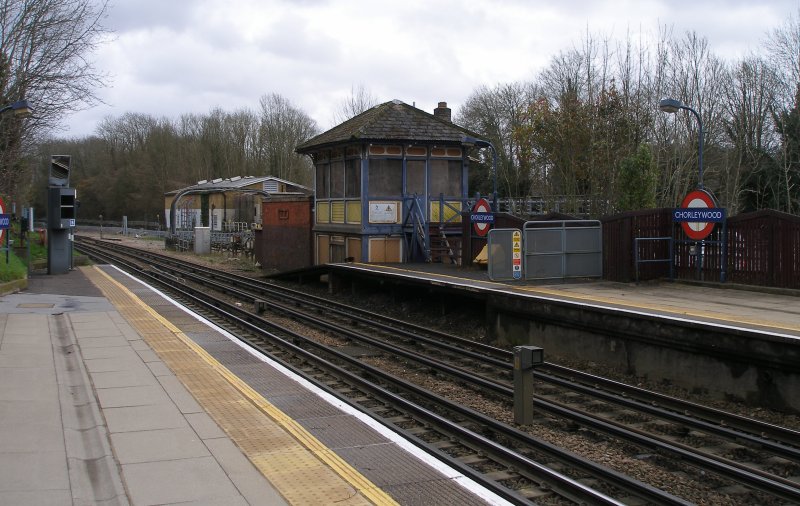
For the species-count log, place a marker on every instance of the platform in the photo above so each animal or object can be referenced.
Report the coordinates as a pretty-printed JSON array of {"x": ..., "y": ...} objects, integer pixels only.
[
  {"x": 750, "y": 308},
  {"x": 111, "y": 394}
]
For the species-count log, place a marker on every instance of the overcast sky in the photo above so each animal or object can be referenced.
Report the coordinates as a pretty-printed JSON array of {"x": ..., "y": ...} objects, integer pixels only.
[{"x": 169, "y": 57}]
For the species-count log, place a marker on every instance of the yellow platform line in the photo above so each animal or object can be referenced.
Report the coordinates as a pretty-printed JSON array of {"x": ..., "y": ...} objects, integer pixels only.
[
  {"x": 728, "y": 318},
  {"x": 300, "y": 466}
]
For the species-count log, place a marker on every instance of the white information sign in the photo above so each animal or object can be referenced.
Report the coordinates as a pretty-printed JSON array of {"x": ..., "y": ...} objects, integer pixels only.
[{"x": 383, "y": 211}]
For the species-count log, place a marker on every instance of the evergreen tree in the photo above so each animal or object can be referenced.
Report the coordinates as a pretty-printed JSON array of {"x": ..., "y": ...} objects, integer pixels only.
[
  {"x": 785, "y": 183},
  {"x": 637, "y": 181}
]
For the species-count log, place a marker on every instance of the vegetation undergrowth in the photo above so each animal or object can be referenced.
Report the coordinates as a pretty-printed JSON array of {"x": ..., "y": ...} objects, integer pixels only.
[{"x": 14, "y": 269}]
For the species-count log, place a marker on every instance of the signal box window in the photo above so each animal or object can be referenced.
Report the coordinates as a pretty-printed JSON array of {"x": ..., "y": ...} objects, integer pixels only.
[
  {"x": 385, "y": 177},
  {"x": 322, "y": 181},
  {"x": 352, "y": 178},
  {"x": 337, "y": 180},
  {"x": 445, "y": 177}
]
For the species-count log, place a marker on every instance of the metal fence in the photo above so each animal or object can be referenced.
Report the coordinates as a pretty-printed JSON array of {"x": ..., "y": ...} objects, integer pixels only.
[
  {"x": 546, "y": 250},
  {"x": 562, "y": 249},
  {"x": 760, "y": 248}
]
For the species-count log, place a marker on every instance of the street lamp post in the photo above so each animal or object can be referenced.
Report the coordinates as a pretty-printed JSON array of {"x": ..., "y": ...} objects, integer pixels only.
[
  {"x": 672, "y": 106},
  {"x": 486, "y": 144},
  {"x": 22, "y": 109}
]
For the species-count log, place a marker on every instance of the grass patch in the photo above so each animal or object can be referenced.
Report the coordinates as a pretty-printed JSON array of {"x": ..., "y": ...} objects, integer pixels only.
[{"x": 13, "y": 270}]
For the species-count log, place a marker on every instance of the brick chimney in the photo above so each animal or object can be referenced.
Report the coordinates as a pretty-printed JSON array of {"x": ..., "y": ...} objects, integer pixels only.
[{"x": 443, "y": 112}]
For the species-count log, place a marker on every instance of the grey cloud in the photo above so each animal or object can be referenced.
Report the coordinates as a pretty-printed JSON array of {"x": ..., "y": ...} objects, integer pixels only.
[{"x": 131, "y": 15}]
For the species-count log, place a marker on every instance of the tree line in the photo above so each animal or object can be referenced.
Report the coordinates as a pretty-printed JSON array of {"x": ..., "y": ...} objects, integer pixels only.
[
  {"x": 44, "y": 59},
  {"x": 133, "y": 160},
  {"x": 586, "y": 128}
]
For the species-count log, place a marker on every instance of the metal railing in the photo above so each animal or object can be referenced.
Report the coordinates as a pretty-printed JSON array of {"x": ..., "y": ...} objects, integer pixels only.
[{"x": 637, "y": 254}]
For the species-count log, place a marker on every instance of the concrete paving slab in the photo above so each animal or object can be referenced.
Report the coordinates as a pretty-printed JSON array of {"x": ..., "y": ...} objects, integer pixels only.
[
  {"x": 25, "y": 354},
  {"x": 26, "y": 324},
  {"x": 159, "y": 369},
  {"x": 27, "y": 384},
  {"x": 205, "y": 426},
  {"x": 188, "y": 480},
  {"x": 89, "y": 342},
  {"x": 45, "y": 412},
  {"x": 108, "y": 352},
  {"x": 115, "y": 364},
  {"x": 114, "y": 379},
  {"x": 143, "y": 395},
  {"x": 104, "y": 331},
  {"x": 81, "y": 326},
  {"x": 148, "y": 355},
  {"x": 36, "y": 497},
  {"x": 247, "y": 478},
  {"x": 138, "y": 344},
  {"x": 136, "y": 418},
  {"x": 158, "y": 445},
  {"x": 89, "y": 318},
  {"x": 185, "y": 402},
  {"x": 129, "y": 333},
  {"x": 35, "y": 470},
  {"x": 29, "y": 424},
  {"x": 41, "y": 338}
]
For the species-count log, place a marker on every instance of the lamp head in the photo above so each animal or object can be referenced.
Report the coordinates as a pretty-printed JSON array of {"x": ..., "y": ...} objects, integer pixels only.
[
  {"x": 472, "y": 141},
  {"x": 670, "y": 105}
]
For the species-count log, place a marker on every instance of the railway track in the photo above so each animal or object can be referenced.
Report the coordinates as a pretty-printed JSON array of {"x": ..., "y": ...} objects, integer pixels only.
[{"x": 667, "y": 428}]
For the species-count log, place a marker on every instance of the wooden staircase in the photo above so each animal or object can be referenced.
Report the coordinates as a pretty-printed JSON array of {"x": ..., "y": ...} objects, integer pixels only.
[{"x": 445, "y": 245}]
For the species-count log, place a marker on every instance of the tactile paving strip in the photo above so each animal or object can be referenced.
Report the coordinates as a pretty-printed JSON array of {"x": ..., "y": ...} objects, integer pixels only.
[{"x": 303, "y": 469}]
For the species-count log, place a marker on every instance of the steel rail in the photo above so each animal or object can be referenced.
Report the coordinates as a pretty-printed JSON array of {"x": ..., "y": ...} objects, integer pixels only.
[
  {"x": 776, "y": 439},
  {"x": 518, "y": 461}
]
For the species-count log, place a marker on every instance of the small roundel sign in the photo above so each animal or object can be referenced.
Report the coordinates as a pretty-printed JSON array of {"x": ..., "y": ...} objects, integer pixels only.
[
  {"x": 481, "y": 217},
  {"x": 698, "y": 199}
]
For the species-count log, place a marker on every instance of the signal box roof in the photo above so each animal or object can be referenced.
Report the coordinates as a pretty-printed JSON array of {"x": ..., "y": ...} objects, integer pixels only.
[{"x": 392, "y": 121}]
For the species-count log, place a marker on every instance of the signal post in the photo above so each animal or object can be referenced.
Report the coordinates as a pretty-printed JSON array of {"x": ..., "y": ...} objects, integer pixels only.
[{"x": 60, "y": 216}]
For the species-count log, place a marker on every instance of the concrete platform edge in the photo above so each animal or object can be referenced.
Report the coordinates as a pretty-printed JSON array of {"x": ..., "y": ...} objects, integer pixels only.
[{"x": 94, "y": 474}]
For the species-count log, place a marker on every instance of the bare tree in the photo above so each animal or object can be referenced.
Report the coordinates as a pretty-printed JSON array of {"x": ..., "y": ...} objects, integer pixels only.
[
  {"x": 496, "y": 113},
  {"x": 783, "y": 50},
  {"x": 783, "y": 47},
  {"x": 282, "y": 128},
  {"x": 750, "y": 98},
  {"x": 360, "y": 100},
  {"x": 45, "y": 49},
  {"x": 688, "y": 71}
]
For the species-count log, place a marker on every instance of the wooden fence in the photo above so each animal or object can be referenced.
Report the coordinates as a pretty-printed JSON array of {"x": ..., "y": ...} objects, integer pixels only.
[{"x": 760, "y": 248}]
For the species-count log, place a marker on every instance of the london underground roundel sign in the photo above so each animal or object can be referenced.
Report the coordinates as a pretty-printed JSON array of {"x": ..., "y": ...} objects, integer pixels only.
[
  {"x": 481, "y": 217},
  {"x": 698, "y": 205}
]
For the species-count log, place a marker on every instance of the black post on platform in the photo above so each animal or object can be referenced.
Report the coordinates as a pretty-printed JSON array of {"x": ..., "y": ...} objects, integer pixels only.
[
  {"x": 60, "y": 216},
  {"x": 29, "y": 238},
  {"x": 525, "y": 359}
]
